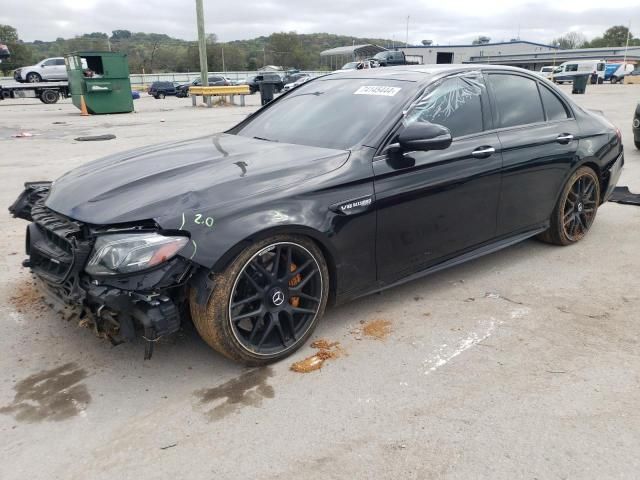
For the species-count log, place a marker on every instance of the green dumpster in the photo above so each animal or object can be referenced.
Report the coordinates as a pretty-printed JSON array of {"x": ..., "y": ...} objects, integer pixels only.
[
  {"x": 100, "y": 80},
  {"x": 580, "y": 83}
]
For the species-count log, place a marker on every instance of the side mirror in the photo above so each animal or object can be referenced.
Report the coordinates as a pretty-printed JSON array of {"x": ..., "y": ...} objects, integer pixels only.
[{"x": 424, "y": 136}]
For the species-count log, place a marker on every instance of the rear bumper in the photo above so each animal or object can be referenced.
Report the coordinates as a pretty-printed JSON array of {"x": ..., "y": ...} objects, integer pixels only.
[{"x": 614, "y": 175}]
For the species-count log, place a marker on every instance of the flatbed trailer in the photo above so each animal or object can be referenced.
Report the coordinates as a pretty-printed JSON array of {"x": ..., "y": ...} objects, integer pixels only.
[{"x": 47, "y": 92}]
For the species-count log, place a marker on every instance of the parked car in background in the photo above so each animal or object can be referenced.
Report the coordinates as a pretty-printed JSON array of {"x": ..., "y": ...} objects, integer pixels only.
[
  {"x": 565, "y": 72},
  {"x": 302, "y": 79},
  {"x": 214, "y": 81},
  {"x": 361, "y": 64},
  {"x": 546, "y": 72},
  {"x": 293, "y": 77},
  {"x": 632, "y": 77},
  {"x": 619, "y": 72},
  {"x": 347, "y": 186},
  {"x": 159, "y": 90},
  {"x": 390, "y": 58},
  {"x": 49, "y": 69},
  {"x": 254, "y": 82},
  {"x": 636, "y": 124}
]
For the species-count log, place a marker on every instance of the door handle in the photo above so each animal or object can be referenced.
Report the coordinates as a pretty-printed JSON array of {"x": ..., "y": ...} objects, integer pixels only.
[
  {"x": 483, "y": 152},
  {"x": 564, "y": 138}
]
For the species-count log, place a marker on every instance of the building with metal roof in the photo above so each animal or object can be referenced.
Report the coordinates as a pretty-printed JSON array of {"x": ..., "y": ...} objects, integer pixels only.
[
  {"x": 336, "y": 57},
  {"x": 537, "y": 60},
  {"x": 517, "y": 53},
  {"x": 427, "y": 54}
]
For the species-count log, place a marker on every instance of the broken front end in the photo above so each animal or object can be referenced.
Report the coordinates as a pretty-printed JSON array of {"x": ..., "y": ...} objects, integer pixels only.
[{"x": 120, "y": 278}]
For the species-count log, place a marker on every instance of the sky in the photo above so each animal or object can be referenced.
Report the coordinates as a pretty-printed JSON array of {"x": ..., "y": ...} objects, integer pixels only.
[{"x": 448, "y": 22}]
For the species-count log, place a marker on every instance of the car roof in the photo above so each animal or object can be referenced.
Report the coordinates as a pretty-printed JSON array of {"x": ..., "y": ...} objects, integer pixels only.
[{"x": 418, "y": 73}]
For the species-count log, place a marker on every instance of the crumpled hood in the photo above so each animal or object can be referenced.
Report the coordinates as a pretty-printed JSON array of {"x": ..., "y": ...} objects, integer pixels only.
[{"x": 161, "y": 180}]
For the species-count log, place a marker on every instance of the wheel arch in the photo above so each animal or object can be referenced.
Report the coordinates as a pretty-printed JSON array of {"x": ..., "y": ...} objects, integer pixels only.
[
  {"x": 586, "y": 162},
  {"x": 320, "y": 239}
]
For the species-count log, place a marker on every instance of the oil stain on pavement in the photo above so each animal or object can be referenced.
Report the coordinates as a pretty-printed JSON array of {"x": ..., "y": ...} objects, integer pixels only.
[
  {"x": 50, "y": 395},
  {"x": 249, "y": 389}
]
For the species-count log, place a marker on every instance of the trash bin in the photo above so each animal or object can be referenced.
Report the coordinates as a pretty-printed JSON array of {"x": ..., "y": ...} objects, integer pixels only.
[
  {"x": 267, "y": 90},
  {"x": 580, "y": 83},
  {"x": 100, "y": 81}
]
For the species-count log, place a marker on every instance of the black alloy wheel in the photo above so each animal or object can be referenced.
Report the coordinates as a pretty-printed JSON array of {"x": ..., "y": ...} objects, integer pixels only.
[
  {"x": 275, "y": 298},
  {"x": 580, "y": 207},
  {"x": 266, "y": 302},
  {"x": 576, "y": 208}
]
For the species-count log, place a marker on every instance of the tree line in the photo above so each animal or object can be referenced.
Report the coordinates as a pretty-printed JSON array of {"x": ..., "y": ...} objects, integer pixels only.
[
  {"x": 158, "y": 52},
  {"x": 616, "y": 36}
]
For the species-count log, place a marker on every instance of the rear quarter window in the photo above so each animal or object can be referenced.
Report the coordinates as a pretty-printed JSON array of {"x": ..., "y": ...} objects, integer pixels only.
[{"x": 553, "y": 106}]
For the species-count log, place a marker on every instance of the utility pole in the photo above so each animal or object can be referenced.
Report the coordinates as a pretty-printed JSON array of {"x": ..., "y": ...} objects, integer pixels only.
[
  {"x": 223, "y": 69},
  {"x": 626, "y": 47},
  {"x": 202, "y": 45},
  {"x": 406, "y": 43}
]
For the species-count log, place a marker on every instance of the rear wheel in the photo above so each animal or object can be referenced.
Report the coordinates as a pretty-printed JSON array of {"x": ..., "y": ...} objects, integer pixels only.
[
  {"x": 267, "y": 302},
  {"x": 33, "y": 77},
  {"x": 576, "y": 209},
  {"x": 49, "y": 96}
]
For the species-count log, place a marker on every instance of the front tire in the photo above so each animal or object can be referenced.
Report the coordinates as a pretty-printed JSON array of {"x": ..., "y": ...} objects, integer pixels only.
[
  {"x": 576, "y": 209},
  {"x": 267, "y": 302}
]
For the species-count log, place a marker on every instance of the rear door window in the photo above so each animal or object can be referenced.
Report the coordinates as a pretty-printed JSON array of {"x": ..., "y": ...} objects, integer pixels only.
[{"x": 517, "y": 100}]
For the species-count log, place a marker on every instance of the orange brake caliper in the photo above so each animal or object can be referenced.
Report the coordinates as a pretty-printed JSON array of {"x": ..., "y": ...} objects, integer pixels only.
[{"x": 294, "y": 301}]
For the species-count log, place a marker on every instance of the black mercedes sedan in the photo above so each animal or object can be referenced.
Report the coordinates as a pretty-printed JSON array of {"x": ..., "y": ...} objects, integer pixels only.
[{"x": 349, "y": 184}]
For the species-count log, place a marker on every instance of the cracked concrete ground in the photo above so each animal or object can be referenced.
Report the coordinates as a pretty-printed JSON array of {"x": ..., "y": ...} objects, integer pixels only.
[{"x": 522, "y": 364}]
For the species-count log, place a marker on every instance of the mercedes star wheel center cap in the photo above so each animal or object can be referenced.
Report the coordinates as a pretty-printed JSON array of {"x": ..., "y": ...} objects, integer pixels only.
[{"x": 277, "y": 298}]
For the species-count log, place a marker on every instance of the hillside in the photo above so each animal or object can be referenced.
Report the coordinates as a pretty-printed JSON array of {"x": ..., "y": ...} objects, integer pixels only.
[{"x": 156, "y": 52}]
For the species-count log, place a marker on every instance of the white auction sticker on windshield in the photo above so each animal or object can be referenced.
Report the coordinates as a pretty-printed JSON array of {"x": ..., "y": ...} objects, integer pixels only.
[{"x": 377, "y": 90}]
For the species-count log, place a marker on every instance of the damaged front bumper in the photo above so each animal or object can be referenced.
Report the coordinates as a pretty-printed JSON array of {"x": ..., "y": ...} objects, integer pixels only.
[{"x": 117, "y": 306}]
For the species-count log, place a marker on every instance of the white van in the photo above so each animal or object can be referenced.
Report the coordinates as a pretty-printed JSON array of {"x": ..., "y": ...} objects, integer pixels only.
[
  {"x": 566, "y": 71},
  {"x": 546, "y": 72}
]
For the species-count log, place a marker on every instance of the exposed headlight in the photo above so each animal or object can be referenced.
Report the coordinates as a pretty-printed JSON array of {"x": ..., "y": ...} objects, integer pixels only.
[
  {"x": 636, "y": 123},
  {"x": 126, "y": 253}
]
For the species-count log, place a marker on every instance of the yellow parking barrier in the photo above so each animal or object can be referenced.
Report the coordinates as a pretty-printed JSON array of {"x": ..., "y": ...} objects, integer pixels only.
[{"x": 222, "y": 91}]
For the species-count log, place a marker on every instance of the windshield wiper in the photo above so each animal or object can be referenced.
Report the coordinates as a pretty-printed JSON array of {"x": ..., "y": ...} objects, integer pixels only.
[{"x": 265, "y": 139}]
